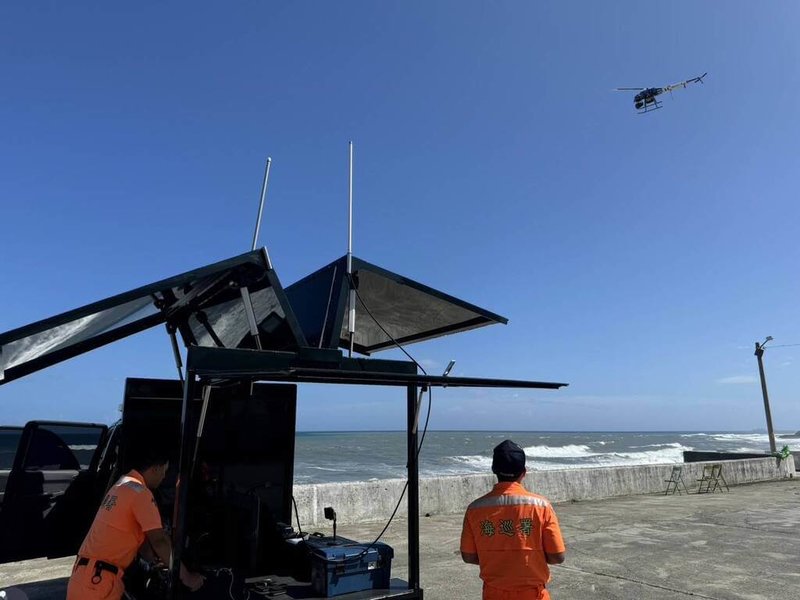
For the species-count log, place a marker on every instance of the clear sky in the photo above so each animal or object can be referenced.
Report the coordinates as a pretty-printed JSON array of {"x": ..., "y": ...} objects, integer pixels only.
[{"x": 637, "y": 257}]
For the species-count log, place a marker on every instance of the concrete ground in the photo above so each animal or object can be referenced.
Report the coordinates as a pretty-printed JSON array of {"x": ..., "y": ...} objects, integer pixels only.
[{"x": 743, "y": 544}]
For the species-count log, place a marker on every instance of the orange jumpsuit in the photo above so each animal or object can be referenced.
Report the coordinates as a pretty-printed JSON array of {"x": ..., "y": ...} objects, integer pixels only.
[
  {"x": 510, "y": 529},
  {"x": 118, "y": 530}
]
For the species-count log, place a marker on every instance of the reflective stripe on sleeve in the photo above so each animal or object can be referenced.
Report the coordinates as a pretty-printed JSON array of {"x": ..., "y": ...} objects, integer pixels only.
[{"x": 132, "y": 484}]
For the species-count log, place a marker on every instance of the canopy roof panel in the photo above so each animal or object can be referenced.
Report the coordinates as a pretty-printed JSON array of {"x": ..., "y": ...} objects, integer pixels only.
[
  {"x": 386, "y": 303},
  {"x": 206, "y": 306}
]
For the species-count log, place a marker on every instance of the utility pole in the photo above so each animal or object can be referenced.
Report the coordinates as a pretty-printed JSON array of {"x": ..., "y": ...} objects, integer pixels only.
[{"x": 759, "y": 354}]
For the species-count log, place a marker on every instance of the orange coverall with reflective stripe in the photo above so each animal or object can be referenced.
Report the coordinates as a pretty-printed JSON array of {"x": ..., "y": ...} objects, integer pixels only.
[
  {"x": 511, "y": 529},
  {"x": 118, "y": 530}
]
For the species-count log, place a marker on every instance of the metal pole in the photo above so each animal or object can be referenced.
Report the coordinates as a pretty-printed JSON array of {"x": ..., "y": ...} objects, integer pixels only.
[
  {"x": 261, "y": 204},
  {"x": 182, "y": 485},
  {"x": 351, "y": 319},
  {"x": 350, "y": 212},
  {"x": 176, "y": 352},
  {"x": 251, "y": 316},
  {"x": 759, "y": 353},
  {"x": 200, "y": 426},
  {"x": 415, "y": 428},
  {"x": 328, "y": 307},
  {"x": 413, "y": 490}
]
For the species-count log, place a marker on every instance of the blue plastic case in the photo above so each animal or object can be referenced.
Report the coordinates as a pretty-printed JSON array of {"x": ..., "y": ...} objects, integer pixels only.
[{"x": 337, "y": 570}]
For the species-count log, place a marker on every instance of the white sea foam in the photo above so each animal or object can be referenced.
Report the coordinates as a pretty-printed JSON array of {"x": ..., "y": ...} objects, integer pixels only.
[
  {"x": 574, "y": 456},
  {"x": 751, "y": 438},
  {"x": 671, "y": 455},
  {"x": 761, "y": 438},
  {"x": 315, "y": 467},
  {"x": 786, "y": 440},
  {"x": 568, "y": 451},
  {"x": 740, "y": 437},
  {"x": 671, "y": 445},
  {"x": 483, "y": 463}
]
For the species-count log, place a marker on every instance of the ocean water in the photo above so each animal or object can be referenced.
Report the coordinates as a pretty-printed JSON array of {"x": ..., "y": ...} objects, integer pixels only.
[
  {"x": 325, "y": 457},
  {"x": 364, "y": 456}
]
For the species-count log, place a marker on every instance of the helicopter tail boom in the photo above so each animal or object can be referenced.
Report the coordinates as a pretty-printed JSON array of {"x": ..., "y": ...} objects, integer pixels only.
[{"x": 683, "y": 84}]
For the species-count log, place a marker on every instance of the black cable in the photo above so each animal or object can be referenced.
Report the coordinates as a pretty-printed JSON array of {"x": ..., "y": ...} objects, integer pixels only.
[
  {"x": 419, "y": 446},
  {"x": 427, "y": 420},
  {"x": 399, "y": 345},
  {"x": 297, "y": 515},
  {"x": 389, "y": 335},
  {"x": 405, "y": 487}
]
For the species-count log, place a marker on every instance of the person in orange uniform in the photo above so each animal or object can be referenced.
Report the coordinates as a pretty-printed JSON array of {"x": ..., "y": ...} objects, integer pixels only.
[
  {"x": 126, "y": 522},
  {"x": 512, "y": 534}
]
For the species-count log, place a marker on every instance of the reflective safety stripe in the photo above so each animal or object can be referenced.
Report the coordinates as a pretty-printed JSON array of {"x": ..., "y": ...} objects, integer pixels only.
[
  {"x": 508, "y": 500},
  {"x": 132, "y": 484}
]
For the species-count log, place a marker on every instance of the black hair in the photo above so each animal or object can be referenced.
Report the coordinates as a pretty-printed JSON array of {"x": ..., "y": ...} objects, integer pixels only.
[
  {"x": 146, "y": 456},
  {"x": 507, "y": 478}
]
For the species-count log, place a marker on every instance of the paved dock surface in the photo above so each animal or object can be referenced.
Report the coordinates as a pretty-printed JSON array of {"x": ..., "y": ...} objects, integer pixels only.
[{"x": 743, "y": 544}]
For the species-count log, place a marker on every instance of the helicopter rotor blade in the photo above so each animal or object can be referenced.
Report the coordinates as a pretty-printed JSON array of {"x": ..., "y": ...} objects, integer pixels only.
[{"x": 639, "y": 89}]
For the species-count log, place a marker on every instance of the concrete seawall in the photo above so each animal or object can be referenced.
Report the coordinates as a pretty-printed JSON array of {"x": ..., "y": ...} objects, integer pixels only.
[{"x": 375, "y": 500}]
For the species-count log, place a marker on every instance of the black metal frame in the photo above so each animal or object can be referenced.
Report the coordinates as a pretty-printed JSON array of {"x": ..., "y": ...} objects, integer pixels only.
[
  {"x": 257, "y": 257},
  {"x": 337, "y": 306},
  {"x": 206, "y": 366}
]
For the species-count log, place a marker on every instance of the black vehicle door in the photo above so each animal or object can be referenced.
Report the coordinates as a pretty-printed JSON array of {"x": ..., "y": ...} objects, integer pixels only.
[
  {"x": 50, "y": 494},
  {"x": 9, "y": 441}
]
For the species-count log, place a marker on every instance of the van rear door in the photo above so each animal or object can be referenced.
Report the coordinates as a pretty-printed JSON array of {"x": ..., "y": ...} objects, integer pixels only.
[{"x": 49, "y": 498}]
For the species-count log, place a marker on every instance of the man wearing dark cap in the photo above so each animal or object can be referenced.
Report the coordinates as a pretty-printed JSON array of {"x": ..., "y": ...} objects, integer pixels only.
[{"x": 511, "y": 533}]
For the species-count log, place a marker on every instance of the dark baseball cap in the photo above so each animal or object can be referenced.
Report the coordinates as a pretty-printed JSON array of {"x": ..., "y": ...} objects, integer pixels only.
[{"x": 508, "y": 459}]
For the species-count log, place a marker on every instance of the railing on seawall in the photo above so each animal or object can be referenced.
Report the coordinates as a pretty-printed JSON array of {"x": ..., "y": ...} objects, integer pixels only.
[{"x": 357, "y": 502}]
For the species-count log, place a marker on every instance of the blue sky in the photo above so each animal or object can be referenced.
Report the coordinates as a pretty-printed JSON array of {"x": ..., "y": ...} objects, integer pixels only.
[{"x": 637, "y": 257}]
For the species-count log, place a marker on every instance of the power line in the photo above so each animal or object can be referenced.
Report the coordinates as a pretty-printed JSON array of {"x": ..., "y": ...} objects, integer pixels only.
[{"x": 782, "y": 345}]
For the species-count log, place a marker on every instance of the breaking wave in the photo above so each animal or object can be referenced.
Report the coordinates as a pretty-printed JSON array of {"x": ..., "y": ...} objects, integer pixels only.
[
  {"x": 479, "y": 463},
  {"x": 580, "y": 456},
  {"x": 665, "y": 455},
  {"x": 571, "y": 450}
]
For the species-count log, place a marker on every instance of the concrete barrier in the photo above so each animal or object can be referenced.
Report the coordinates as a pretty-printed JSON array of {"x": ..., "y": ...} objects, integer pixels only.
[{"x": 357, "y": 502}]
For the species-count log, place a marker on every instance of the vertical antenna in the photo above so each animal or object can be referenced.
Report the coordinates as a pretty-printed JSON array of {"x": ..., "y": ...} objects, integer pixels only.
[
  {"x": 351, "y": 318},
  {"x": 261, "y": 204},
  {"x": 248, "y": 304}
]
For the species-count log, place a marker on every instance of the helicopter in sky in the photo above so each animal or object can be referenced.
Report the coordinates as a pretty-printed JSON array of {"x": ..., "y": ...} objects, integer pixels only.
[{"x": 646, "y": 100}]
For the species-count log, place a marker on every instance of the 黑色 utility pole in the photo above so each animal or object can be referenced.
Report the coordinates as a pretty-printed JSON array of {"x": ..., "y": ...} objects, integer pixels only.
[{"x": 759, "y": 353}]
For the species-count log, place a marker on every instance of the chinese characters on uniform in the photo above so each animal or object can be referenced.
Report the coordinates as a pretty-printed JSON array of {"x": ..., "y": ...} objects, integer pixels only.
[{"x": 507, "y": 527}]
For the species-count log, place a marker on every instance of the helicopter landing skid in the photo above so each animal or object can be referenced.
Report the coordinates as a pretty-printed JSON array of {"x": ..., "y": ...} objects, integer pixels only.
[{"x": 651, "y": 107}]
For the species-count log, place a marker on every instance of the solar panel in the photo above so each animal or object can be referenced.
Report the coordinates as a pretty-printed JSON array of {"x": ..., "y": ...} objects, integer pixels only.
[{"x": 205, "y": 306}]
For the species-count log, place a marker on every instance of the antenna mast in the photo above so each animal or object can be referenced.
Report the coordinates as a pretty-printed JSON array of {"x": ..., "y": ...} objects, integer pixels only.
[
  {"x": 244, "y": 291},
  {"x": 261, "y": 204},
  {"x": 351, "y": 318}
]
